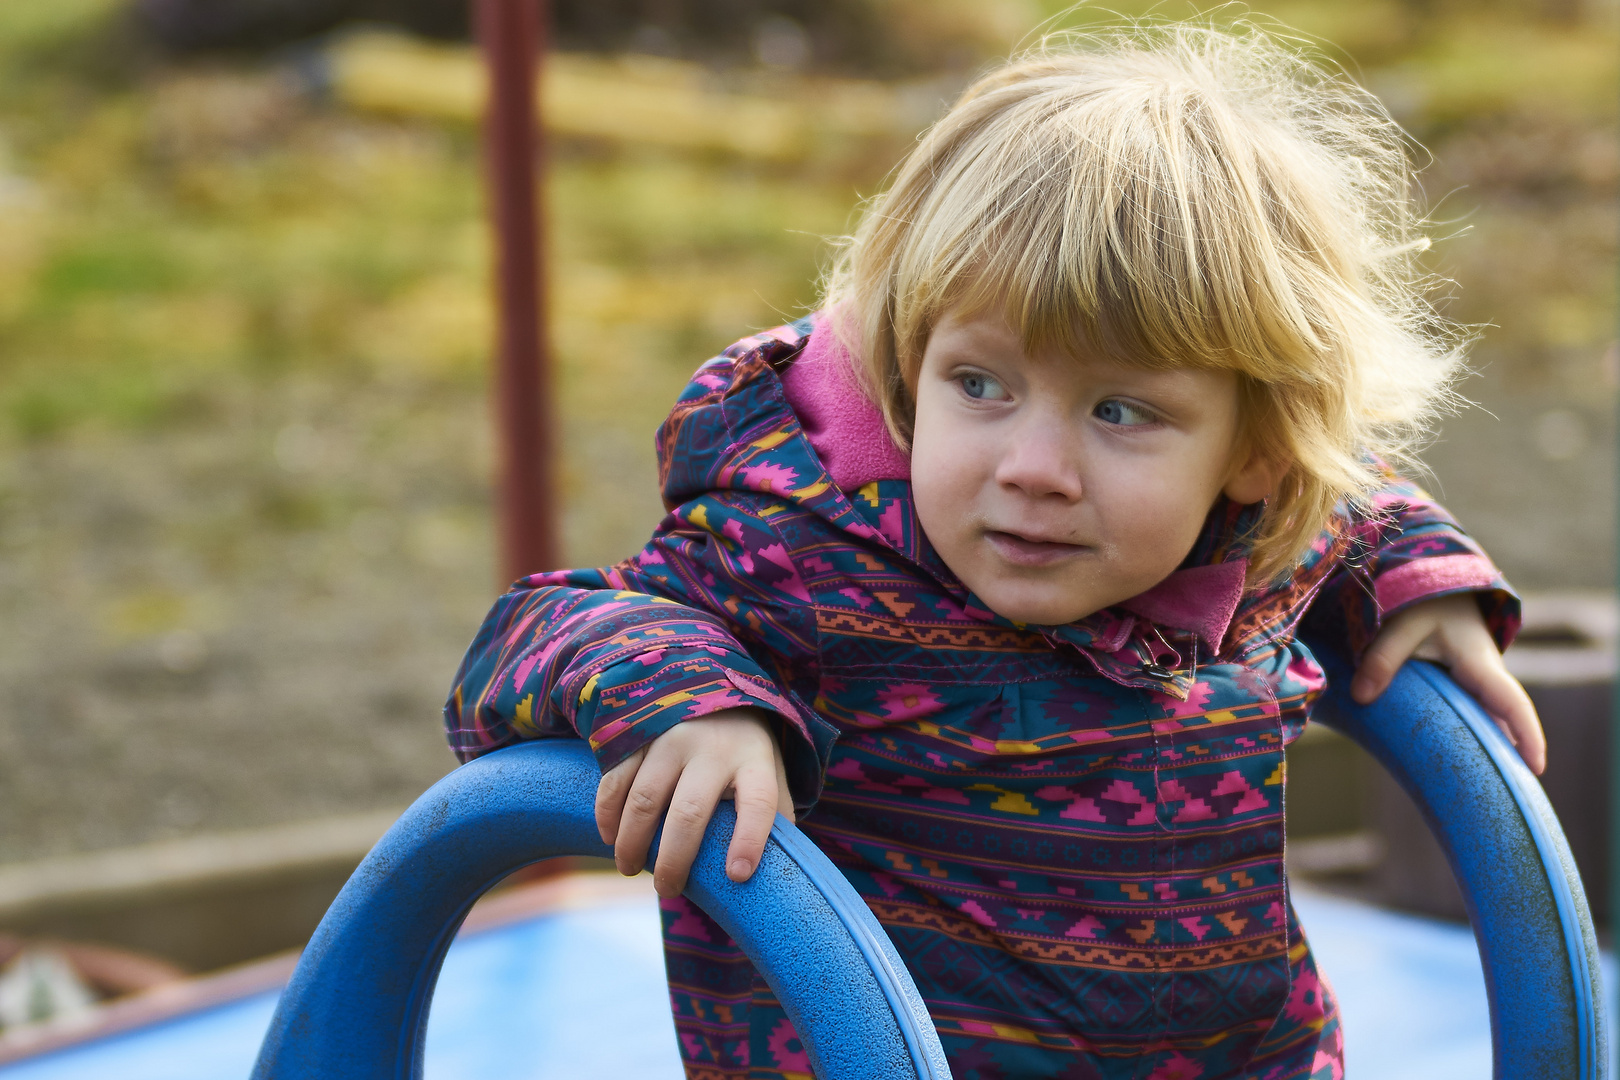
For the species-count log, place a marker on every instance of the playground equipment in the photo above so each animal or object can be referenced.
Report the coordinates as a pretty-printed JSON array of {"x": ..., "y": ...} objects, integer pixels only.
[
  {"x": 357, "y": 1006},
  {"x": 1510, "y": 859}
]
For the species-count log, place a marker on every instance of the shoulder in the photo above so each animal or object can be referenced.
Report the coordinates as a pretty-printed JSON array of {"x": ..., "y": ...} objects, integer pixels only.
[
  {"x": 732, "y": 400},
  {"x": 744, "y": 363},
  {"x": 734, "y": 431},
  {"x": 1270, "y": 611}
]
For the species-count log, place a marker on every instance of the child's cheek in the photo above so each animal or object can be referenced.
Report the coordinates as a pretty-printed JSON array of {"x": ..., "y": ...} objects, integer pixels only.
[
  {"x": 1156, "y": 509},
  {"x": 941, "y": 486},
  {"x": 949, "y": 464}
]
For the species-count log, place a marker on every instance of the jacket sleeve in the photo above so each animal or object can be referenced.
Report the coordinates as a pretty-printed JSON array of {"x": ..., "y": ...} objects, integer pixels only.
[
  {"x": 1407, "y": 550},
  {"x": 710, "y": 615}
]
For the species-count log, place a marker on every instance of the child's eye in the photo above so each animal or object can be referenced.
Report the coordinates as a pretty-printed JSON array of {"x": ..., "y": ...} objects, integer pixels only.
[
  {"x": 1123, "y": 413},
  {"x": 981, "y": 387}
]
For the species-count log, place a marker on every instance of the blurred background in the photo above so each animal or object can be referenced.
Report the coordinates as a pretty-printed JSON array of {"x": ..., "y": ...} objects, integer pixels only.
[{"x": 245, "y": 335}]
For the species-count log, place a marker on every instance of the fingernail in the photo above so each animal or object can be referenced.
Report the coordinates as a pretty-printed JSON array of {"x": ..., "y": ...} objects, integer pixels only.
[{"x": 740, "y": 869}]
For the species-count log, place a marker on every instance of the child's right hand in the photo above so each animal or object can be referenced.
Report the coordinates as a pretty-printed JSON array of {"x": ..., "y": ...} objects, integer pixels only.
[{"x": 689, "y": 768}]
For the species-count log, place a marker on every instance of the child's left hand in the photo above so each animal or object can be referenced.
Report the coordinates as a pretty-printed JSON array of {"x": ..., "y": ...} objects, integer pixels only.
[{"x": 1451, "y": 631}]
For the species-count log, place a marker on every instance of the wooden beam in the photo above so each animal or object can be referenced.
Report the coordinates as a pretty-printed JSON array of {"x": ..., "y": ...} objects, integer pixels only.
[{"x": 511, "y": 35}]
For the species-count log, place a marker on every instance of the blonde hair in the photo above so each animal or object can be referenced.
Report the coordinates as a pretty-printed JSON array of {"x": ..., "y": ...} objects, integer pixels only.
[{"x": 1167, "y": 195}]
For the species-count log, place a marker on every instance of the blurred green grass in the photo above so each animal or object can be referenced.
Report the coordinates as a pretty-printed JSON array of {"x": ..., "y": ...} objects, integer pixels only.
[
  {"x": 244, "y": 338},
  {"x": 173, "y": 230},
  {"x": 209, "y": 227}
]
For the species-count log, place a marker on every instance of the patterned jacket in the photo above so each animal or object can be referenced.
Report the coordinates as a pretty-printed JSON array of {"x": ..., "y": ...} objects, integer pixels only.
[{"x": 1073, "y": 834}]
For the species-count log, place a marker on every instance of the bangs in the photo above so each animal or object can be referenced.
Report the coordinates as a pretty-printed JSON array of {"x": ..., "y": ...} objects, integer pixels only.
[{"x": 1133, "y": 221}]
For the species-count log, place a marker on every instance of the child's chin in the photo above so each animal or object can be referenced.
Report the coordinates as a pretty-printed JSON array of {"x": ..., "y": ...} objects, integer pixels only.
[{"x": 1040, "y": 610}]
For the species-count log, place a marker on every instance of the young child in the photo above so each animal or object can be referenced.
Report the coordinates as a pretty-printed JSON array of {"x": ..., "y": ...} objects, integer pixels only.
[{"x": 993, "y": 570}]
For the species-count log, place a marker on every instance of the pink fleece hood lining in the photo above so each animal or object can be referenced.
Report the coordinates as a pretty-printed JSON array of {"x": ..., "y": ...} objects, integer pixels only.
[{"x": 843, "y": 424}]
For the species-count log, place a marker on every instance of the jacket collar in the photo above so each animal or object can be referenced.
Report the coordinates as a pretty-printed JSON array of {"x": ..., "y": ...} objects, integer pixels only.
[{"x": 1199, "y": 599}]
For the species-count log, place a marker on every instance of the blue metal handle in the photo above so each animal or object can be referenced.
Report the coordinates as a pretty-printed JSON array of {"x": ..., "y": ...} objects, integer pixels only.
[
  {"x": 357, "y": 1005},
  {"x": 1510, "y": 857}
]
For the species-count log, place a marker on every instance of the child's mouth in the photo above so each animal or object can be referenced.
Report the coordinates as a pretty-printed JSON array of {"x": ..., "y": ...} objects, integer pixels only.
[{"x": 1023, "y": 551}]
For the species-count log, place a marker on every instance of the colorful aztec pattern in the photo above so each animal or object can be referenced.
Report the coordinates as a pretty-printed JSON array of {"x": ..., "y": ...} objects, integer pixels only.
[{"x": 1073, "y": 834}]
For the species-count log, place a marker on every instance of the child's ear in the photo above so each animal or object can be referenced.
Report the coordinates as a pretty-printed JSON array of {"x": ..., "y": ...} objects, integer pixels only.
[{"x": 1255, "y": 477}]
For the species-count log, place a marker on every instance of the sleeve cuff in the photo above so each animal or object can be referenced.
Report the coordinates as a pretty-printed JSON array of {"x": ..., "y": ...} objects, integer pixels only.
[
  {"x": 1428, "y": 579},
  {"x": 627, "y": 705}
]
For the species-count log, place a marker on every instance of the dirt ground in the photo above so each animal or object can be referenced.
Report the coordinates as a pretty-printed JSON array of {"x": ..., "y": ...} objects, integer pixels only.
[{"x": 240, "y": 600}]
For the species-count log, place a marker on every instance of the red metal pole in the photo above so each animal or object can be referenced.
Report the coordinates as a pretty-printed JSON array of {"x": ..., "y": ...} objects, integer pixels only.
[{"x": 510, "y": 32}]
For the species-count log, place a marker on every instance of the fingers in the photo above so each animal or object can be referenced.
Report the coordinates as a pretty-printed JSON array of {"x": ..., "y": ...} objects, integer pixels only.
[
  {"x": 784, "y": 794},
  {"x": 1502, "y": 696},
  {"x": 757, "y": 799},
  {"x": 1451, "y": 630},
  {"x": 652, "y": 789},
  {"x": 1384, "y": 657},
  {"x": 757, "y": 806},
  {"x": 677, "y": 780},
  {"x": 1466, "y": 646},
  {"x": 611, "y": 792},
  {"x": 690, "y": 808}
]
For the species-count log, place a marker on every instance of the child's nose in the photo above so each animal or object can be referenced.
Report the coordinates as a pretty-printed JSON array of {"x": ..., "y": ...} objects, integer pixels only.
[{"x": 1041, "y": 461}]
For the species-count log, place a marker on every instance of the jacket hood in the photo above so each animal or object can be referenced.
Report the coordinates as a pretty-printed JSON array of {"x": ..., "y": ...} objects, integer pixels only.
[
  {"x": 733, "y": 429},
  {"x": 752, "y": 419}
]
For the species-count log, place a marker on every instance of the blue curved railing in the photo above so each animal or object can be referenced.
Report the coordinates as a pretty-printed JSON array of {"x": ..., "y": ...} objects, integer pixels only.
[
  {"x": 357, "y": 1005},
  {"x": 1509, "y": 856}
]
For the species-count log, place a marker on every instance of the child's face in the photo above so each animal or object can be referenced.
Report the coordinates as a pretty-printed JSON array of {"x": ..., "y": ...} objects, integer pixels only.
[{"x": 1054, "y": 487}]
